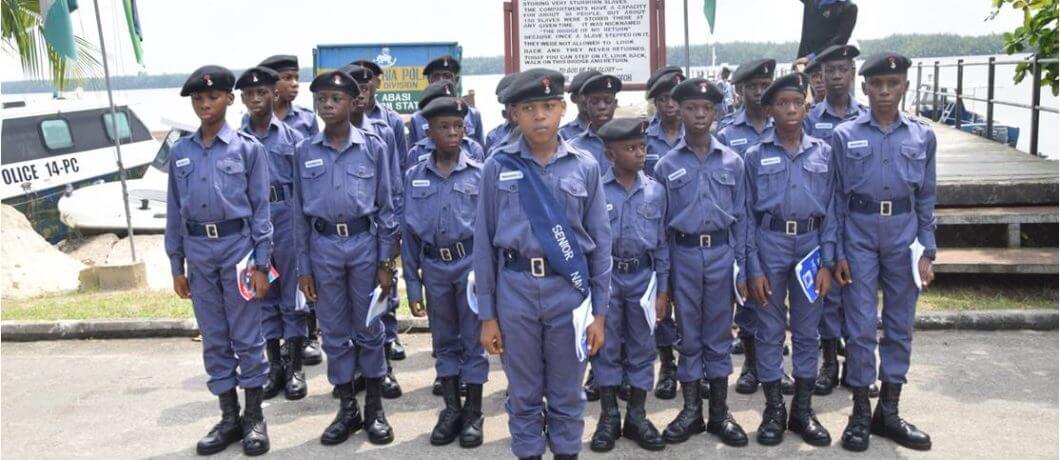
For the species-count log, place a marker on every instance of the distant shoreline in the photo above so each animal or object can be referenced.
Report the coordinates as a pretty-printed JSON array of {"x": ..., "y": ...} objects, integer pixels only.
[{"x": 912, "y": 45}]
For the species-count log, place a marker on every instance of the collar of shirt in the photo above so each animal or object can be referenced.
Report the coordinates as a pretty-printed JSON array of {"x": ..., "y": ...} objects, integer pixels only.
[
  {"x": 656, "y": 130},
  {"x": 682, "y": 146},
  {"x": 355, "y": 137},
  {"x": 804, "y": 143},
  {"x": 638, "y": 180},
  {"x": 741, "y": 119},
  {"x": 853, "y": 109},
  {"x": 523, "y": 149},
  {"x": 461, "y": 164},
  {"x": 274, "y": 125},
  {"x": 224, "y": 135},
  {"x": 375, "y": 112},
  {"x": 869, "y": 118}
]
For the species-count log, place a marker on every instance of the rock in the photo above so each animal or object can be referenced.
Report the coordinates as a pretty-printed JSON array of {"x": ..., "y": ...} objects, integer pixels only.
[
  {"x": 151, "y": 249},
  {"x": 31, "y": 266},
  {"x": 93, "y": 250}
]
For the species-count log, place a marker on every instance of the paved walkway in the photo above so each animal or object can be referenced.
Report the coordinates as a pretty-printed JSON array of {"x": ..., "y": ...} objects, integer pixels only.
[{"x": 980, "y": 395}]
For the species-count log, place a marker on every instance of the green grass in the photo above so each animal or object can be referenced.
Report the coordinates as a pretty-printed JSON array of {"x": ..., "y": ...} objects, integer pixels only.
[{"x": 982, "y": 292}]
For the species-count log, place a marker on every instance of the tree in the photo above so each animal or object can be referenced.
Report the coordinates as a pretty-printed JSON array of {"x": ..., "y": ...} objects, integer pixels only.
[
  {"x": 23, "y": 35},
  {"x": 1037, "y": 35}
]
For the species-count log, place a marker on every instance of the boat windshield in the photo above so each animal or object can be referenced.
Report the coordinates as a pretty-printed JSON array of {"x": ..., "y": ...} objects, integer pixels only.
[{"x": 161, "y": 161}]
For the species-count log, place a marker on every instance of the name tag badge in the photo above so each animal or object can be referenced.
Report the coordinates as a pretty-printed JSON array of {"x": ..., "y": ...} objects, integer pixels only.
[
  {"x": 823, "y": 125},
  {"x": 858, "y": 144},
  {"x": 770, "y": 161},
  {"x": 425, "y": 126},
  {"x": 183, "y": 162},
  {"x": 314, "y": 163},
  {"x": 424, "y": 156},
  {"x": 610, "y": 206},
  {"x": 652, "y": 157},
  {"x": 737, "y": 142},
  {"x": 511, "y": 175},
  {"x": 677, "y": 174},
  {"x": 421, "y": 183}
]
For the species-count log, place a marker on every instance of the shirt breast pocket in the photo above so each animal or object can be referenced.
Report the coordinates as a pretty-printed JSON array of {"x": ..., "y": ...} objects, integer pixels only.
[
  {"x": 817, "y": 177},
  {"x": 725, "y": 189},
  {"x": 183, "y": 176},
  {"x": 770, "y": 179},
  {"x": 509, "y": 208},
  {"x": 467, "y": 197},
  {"x": 281, "y": 162},
  {"x": 574, "y": 193},
  {"x": 857, "y": 163},
  {"x": 648, "y": 216},
  {"x": 361, "y": 182},
  {"x": 913, "y": 160},
  {"x": 233, "y": 177}
]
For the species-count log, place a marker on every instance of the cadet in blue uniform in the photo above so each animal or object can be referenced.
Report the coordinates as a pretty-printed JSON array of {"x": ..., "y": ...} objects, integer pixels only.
[
  {"x": 304, "y": 121},
  {"x": 705, "y": 188},
  {"x": 500, "y": 134},
  {"x": 345, "y": 229},
  {"x": 635, "y": 206},
  {"x": 422, "y": 149},
  {"x": 542, "y": 247},
  {"x": 580, "y": 123},
  {"x": 664, "y": 132},
  {"x": 885, "y": 199},
  {"x": 282, "y": 318},
  {"x": 377, "y": 111},
  {"x": 438, "y": 228},
  {"x": 836, "y": 64},
  {"x": 790, "y": 196},
  {"x": 817, "y": 85},
  {"x": 217, "y": 213},
  {"x": 448, "y": 69},
  {"x": 599, "y": 93}
]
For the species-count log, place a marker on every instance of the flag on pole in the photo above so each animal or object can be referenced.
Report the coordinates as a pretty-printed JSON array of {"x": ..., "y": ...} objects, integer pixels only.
[
  {"x": 132, "y": 18},
  {"x": 709, "y": 8},
  {"x": 58, "y": 31}
]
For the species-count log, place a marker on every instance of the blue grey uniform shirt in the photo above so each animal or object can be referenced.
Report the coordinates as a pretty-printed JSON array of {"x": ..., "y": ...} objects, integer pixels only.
[
  {"x": 279, "y": 142},
  {"x": 472, "y": 127},
  {"x": 637, "y": 224},
  {"x": 589, "y": 142},
  {"x": 423, "y": 149},
  {"x": 658, "y": 145},
  {"x": 394, "y": 121},
  {"x": 822, "y": 119},
  {"x": 740, "y": 134},
  {"x": 573, "y": 129}
]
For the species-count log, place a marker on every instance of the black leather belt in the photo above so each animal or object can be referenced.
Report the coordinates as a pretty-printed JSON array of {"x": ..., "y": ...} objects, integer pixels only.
[
  {"x": 537, "y": 266},
  {"x": 277, "y": 194},
  {"x": 702, "y": 240},
  {"x": 793, "y": 227},
  {"x": 864, "y": 205},
  {"x": 216, "y": 229},
  {"x": 631, "y": 265},
  {"x": 452, "y": 253},
  {"x": 342, "y": 229}
]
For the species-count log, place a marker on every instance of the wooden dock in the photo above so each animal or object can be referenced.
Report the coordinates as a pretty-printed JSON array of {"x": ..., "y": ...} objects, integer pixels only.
[{"x": 981, "y": 182}]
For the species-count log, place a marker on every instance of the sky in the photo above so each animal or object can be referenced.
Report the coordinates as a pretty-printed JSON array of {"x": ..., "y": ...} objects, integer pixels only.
[{"x": 182, "y": 35}]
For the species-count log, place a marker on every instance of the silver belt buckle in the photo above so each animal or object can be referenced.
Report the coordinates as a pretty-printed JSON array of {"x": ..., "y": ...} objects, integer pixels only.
[
  {"x": 460, "y": 249},
  {"x": 211, "y": 231},
  {"x": 791, "y": 227},
  {"x": 886, "y": 208},
  {"x": 704, "y": 241},
  {"x": 537, "y": 267},
  {"x": 446, "y": 254},
  {"x": 342, "y": 230},
  {"x": 622, "y": 266}
]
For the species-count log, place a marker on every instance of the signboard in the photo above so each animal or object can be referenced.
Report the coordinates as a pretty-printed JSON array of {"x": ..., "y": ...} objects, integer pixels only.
[
  {"x": 618, "y": 37},
  {"x": 402, "y": 65}
]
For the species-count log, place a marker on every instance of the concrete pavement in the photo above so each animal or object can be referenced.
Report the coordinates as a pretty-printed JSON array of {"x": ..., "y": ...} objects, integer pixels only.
[{"x": 979, "y": 394}]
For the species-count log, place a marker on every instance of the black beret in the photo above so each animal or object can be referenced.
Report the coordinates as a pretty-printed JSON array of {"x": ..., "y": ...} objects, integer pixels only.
[
  {"x": 443, "y": 63},
  {"x": 444, "y": 106},
  {"x": 762, "y": 68},
  {"x": 620, "y": 129},
  {"x": 378, "y": 71},
  {"x": 696, "y": 88},
  {"x": 579, "y": 80},
  {"x": 503, "y": 84},
  {"x": 257, "y": 76},
  {"x": 602, "y": 83},
  {"x": 796, "y": 81},
  {"x": 660, "y": 72},
  {"x": 208, "y": 77},
  {"x": 440, "y": 88},
  {"x": 837, "y": 53},
  {"x": 813, "y": 66},
  {"x": 335, "y": 80},
  {"x": 281, "y": 62},
  {"x": 360, "y": 74},
  {"x": 885, "y": 63},
  {"x": 665, "y": 84},
  {"x": 534, "y": 85}
]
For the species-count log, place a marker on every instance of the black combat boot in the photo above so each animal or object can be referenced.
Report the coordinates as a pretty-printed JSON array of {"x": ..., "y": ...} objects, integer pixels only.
[
  {"x": 295, "y": 386},
  {"x": 771, "y": 430},
  {"x": 828, "y": 377},
  {"x": 471, "y": 417},
  {"x": 623, "y": 391},
  {"x": 397, "y": 350},
  {"x": 690, "y": 420},
  {"x": 666, "y": 387},
  {"x": 375, "y": 423},
  {"x": 704, "y": 388},
  {"x": 874, "y": 390},
  {"x": 720, "y": 421},
  {"x": 436, "y": 387},
  {"x": 803, "y": 421},
  {"x": 275, "y": 382},
  {"x": 637, "y": 427},
  {"x": 887, "y": 423},
  {"x": 592, "y": 393},
  {"x": 856, "y": 434},
  {"x": 225, "y": 432},
  {"x": 391, "y": 387},
  {"x": 787, "y": 384},
  {"x": 311, "y": 355},
  {"x": 448, "y": 426},
  {"x": 609, "y": 426},
  {"x": 748, "y": 381},
  {"x": 347, "y": 421},
  {"x": 255, "y": 433}
]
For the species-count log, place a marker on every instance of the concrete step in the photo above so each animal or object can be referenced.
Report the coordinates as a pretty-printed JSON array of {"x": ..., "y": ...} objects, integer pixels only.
[
  {"x": 1046, "y": 214},
  {"x": 1019, "y": 261}
]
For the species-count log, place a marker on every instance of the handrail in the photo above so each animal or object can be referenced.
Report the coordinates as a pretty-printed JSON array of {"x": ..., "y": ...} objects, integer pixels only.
[{"x": 1035, "y": 106}]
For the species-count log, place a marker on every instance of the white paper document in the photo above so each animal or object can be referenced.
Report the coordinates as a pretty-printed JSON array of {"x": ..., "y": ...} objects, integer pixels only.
[
  {"x": 647, "y": 301},
  {"x": 916, "y": 251},
  {"x": 735, "y": 277},
  {"x": 377, "y": 306},
  {"x": 472, "y": 299},
  {"x": 582, "y": 317},
  {"x": 806, "y": 272}
]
